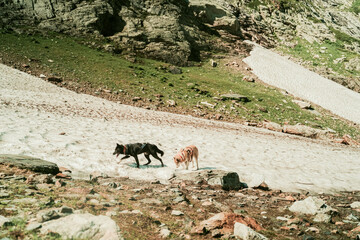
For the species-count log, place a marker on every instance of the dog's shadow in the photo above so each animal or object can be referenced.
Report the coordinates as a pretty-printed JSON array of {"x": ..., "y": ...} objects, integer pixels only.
[
  {"x": 207, "y": 168},
  {"x": 133, "y": 165}
]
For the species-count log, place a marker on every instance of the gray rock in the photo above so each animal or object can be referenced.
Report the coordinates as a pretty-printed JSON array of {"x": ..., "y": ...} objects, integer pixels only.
[
  {"x": 245, "y": 233},
  {"x": 228, "y": 180},
  {"x": 302, "y": 104},
  {"x": 65, "y": 210},
  {"x": 310, "y": 205},
  {"x": 355, "y": 205},
  {"x": 165, "y": 232},
  {"x": 26, "y": 201},
  {"x": 47, "y": 215},
  {"x": 233, "y": 96},
  {"x": 352, "y": 218},
  {"x": 84, "y": 226},
  {"x": 33, "y": 226},
  {"x": 179, "y": 199},
  {"x": 177, "y": 213},
  {"x": 4, "y": 221},
  {"x": 151, "y": 201},
  {"x": 31, "y": 163},
  {"x": 322, "y": 217},
  {"x": 4, "y": 195}
]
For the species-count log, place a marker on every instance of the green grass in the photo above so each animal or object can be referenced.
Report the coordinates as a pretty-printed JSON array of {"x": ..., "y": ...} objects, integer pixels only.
[
  {"x": 72, "y": 60},
  {"x": 355, "y": 7},
  {"x": 306, "y": 51}
]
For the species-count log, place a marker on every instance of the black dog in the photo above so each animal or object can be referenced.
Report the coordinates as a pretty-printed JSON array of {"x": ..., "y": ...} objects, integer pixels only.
[{"x": 138, "y": 148}]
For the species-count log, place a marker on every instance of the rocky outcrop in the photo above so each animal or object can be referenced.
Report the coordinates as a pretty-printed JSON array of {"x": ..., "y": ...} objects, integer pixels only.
[
  {"x": 165, "y": 30},
  {"x": 178, "y": 31},
  {"x": 30, "y": 163}
]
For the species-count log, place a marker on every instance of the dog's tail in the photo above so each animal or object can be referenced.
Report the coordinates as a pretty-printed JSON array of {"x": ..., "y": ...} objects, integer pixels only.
[{"x": 159, "y": 151}]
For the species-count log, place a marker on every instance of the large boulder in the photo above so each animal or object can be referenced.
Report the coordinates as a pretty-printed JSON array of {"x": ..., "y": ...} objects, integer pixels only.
[
  {"x": 30, "y": 163},
  {"x": 227, "y": 180},
  {"x": 310, "y": 205},
  {"x": 83, "y": 226},
  {"x": 243, "y": 232}
]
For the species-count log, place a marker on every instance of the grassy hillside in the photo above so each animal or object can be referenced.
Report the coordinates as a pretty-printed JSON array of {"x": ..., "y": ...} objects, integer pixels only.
[{"x": 196, "y": 90}]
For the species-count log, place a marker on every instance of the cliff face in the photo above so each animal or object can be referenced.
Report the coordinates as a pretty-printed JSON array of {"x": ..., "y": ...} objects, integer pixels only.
[{"x": 177, "y": 31}]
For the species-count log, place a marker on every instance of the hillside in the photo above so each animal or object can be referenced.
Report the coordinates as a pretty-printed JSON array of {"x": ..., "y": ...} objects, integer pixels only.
[{"x": 322, "y": 35}]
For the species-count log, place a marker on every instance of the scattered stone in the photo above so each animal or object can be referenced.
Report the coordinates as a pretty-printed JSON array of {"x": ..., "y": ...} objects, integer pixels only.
[
  {"x": 352, "y": 218},
  {"x": 42, "y": 76},
  {"x": 282, "y": 219},
  {"x": 177, "y": 213},
  {"x": 310, "y": 205},
  {"x": 357, "y": 229},
  {"x": 165, "y": 232},
  {"x": 290, "y": 198},
  {"x": 225, "y": 221},
  {"x": 302, "y": 104},
  {"x": 312, "y": 229},
  {"x": 294, "y": 221},
  {"x": 213, "y": 63},
  {"x": 4, "y": 221},
  {"x": 171, "y": 103},
  {"x": 47, "y": 215},
  {"x": 26, "y": 201},
  {"x": 95, "y": 176},
  {"x": 209, "y": 105},
  {"x": 4, "y": 195},
  {"x": 62, "y": 175},
  {"x": 175, "y": 70},
  {"x": 322, "y": 217},
  {"x": 135, "y": 99},
  {"x": 179, "y": 199},
  {"x": 66, "y": 210},
  {"x": 302, "y": 130},
  {"x": 355, "y": 205},
  {"x": 151, "y": 201},
  {"x": 54, "y": 79},
  {"x": 33, "y": 226},
  {"x": 233, "y": 96},
  {"x": 218, "y": 116},
  {"x": 30, "y": 163},
  {"x": 246, "y": 233},
  {"x": 272, "y": 126},
  {"x": 84, "y": 226},
  {"x": 263, "y": 186},
  {"x": 59, "y": 183},
  {"x": 347, "y": 140},
  {"x": 248, "y": 79}
]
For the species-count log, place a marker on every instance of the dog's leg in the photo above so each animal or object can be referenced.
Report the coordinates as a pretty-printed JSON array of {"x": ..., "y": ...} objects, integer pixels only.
[
  {"x": 127, "y": 156},
  {"x": 197, "y": 162},
  {"x": 156, "y": 156},
  {"x": 148, "y": 158},
  {"x": 137, "y": 161}
]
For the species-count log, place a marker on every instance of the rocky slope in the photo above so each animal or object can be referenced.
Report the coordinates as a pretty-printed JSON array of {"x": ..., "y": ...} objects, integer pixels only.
[
  {"x": 177, "y": 31},
  {"x": 199, "y": 205}
]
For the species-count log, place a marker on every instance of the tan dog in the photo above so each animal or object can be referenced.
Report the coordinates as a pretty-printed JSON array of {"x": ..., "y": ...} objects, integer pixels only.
[{"x": 186, "y": 155}]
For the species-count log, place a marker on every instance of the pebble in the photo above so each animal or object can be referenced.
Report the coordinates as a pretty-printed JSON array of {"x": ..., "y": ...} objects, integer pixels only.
[{"x": 176, "y": 213}]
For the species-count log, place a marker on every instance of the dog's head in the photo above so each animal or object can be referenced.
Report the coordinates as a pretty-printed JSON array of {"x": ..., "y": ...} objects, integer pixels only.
[
  {"x": 179, "y": 158},
  {"x": 177, "y": 161},
  {"x": 118, "y": 150}
]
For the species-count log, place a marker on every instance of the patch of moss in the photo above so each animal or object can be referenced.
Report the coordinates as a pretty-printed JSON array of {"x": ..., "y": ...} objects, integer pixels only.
[{"x": 355, "y": 7}]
